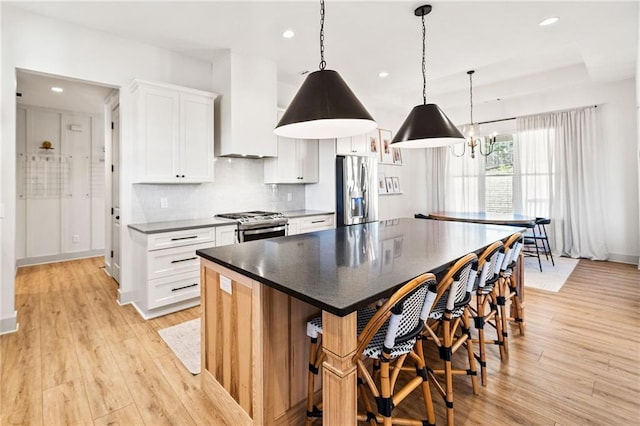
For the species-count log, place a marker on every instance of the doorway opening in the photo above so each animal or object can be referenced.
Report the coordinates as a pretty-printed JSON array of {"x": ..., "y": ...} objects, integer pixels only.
[{"x": 63, "y": 185}]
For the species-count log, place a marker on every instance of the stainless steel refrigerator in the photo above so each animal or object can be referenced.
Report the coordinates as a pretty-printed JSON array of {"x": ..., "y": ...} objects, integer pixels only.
[{"x": 356, "y": 189}]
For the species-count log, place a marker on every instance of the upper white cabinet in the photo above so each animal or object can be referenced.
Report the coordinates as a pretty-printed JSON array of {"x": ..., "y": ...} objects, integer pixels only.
[
  {"x": 352, "y": 145},
  {"x": 297, "y": 161},
  {"x": 359, "y": 145},
  {"x": 173, "y": 133},
  {"x": 246, "y": 109}
]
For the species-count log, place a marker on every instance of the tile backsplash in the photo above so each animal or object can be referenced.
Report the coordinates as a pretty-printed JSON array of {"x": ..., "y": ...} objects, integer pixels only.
[{"x": 238, "y": 186}]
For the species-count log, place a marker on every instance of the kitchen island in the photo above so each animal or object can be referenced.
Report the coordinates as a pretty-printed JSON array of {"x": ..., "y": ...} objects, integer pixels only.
[{"x": 258, "y": 296}]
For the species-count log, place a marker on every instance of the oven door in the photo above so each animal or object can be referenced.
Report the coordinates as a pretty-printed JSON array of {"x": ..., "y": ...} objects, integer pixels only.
[{"x": 262, "y": 233}]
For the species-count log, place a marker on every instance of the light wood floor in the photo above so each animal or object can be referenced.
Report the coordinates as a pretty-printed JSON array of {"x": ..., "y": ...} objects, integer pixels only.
[{"x": 80, "y": 358}]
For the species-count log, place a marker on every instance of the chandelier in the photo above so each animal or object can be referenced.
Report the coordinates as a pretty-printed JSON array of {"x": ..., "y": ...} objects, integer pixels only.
[{"x": 472, "y": 131}]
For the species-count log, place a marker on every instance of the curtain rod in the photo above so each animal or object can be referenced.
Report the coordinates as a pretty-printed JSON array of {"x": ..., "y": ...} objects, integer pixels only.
[{"x": 514, "y": 118}]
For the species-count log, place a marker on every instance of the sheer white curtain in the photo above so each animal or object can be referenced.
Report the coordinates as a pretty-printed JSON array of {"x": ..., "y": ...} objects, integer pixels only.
[
  {"x": 436, "y": 161},
  {"x": 556, "y": 176},
  {"x": 465, "y": 182}
]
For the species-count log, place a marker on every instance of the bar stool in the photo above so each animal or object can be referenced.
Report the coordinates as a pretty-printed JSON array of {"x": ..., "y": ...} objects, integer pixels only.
[
  {"x": 541, "y": 222},
  {"x": 388, "y": 337},
  {"x": 449, "y": 329},
  {"x": 507, "y": 290},
  {"x": 486, "y": 309},
  {"x": 530, "y": 241}
]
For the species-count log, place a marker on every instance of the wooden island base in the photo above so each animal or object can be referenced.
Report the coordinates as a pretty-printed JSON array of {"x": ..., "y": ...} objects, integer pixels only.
[{"x": 255, "y": 351}]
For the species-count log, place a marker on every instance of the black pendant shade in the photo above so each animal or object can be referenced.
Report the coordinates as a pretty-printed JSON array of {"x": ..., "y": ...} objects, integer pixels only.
[
  {"x": 427, "y": 127},
  {"x": 324, "y": 108}
]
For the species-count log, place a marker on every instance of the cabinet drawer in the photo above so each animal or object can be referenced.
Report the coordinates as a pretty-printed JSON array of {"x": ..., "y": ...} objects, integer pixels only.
[
  {"x": 168, "y": 290},
  {"x": 315, "y": 223},
  {"x": 181, "y": 238},
  {"x": 173, "y": 261}
]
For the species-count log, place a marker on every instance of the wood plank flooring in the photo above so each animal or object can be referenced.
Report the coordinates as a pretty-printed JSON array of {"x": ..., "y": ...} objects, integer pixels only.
[{"x": 80, "y": 358}]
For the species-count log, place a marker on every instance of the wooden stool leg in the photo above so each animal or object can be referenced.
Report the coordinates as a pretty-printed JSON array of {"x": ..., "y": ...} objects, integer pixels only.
[
  {"x": 519, "y": 309},
  {"x": 385, "y": 388},
  {"x": 504, "y": 317},
  {"x": 316, "y": 356},
  {"x": 471, "y": 355},
  {"x": 426, "y": 389},
  {"x": 479, "y": 324},
  {"x": 448, "y": 374}
]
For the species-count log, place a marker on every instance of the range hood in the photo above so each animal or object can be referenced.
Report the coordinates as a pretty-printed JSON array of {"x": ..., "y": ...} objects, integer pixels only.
[{"x": 245, "y": 111}]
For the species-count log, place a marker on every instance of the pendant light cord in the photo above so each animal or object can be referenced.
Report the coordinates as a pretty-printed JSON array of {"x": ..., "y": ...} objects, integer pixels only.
[
  {"x": 323, "y": 64},
  {"x": 471, "y": 95},
  {"x": 424, "y": 63}
]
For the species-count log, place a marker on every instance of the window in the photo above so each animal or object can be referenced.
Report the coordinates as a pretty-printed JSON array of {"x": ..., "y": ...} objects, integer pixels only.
[{"x": 498, "y": 173}]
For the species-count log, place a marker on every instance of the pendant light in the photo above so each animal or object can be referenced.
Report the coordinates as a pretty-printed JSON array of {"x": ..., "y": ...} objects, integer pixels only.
[
  {"x": 426, "y": 126},
  {"x": 324, "y": 106}
]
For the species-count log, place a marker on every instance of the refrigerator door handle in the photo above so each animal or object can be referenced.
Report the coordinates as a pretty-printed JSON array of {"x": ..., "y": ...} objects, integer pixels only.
[{"x": 365, "y": 190}]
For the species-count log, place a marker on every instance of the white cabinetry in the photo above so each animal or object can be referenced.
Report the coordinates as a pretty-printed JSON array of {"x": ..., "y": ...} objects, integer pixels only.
[
  {"x": 300, "y": 225},
  {"x": 167, "y": 273},
  {"x": 226, "y": 235},
  {"x": 352, "y": 145},
  {"x": 173, "y": 134},
  {"x": 297, "y": 162}
]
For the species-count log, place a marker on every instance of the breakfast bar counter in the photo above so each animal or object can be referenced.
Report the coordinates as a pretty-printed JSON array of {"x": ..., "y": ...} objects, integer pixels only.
[{"x": 258, "y": 296}]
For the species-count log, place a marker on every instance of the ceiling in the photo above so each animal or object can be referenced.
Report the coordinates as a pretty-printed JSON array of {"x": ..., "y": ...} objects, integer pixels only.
[
  {"x": 502, "y": 41},
  {"x": 35, "y": 89}
]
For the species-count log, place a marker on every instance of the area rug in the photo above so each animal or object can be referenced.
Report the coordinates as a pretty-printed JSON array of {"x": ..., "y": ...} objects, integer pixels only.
[
  {"x": 552, "y": 278},
  {"x": 184, "y": 341}
]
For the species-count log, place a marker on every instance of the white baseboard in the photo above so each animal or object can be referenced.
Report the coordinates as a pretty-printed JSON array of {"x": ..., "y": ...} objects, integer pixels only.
[
  {"x": 124, "y": 298},
  {"x": 58, "y": 257},
  {"x": 169, "y": 309},
  {"x": 10, "y": 324},
  {"x": 624, "y": 258}
]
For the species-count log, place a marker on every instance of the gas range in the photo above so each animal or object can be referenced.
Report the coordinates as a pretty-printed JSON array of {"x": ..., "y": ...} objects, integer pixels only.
[{"x": 256, "y": 225}]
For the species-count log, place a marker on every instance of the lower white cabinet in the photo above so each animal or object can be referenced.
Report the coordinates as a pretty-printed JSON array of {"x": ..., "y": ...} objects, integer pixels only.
[
  {"x": 167, "y": 271},
  {"x": 226, "y": 235},
  {"x": 300, "y": 225}
]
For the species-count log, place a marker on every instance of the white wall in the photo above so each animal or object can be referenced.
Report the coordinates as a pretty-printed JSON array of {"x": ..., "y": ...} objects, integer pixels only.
[
  {"x": 32, "y": 42},
  {"x": 638, "y": 118},
  {"x": 48, "y": 216}
]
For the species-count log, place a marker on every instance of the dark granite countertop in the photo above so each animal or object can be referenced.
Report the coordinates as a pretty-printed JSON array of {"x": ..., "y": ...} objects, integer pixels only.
[
  {"x": 342, "y": 269},
  {"x": 301, "y": 213},
  {"x": 179, "y": 225}
]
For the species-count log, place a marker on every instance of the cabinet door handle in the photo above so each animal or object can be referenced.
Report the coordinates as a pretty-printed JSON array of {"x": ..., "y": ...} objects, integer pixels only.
[
  {"x": 182, "y": 175},
  {"x": 317, "y": 221},
  {"x": 186, "y": 286},
  {"x": 184, "y": 260},
  {"x": 177, "y": 176},
  {"x": 184, "y": 238}
]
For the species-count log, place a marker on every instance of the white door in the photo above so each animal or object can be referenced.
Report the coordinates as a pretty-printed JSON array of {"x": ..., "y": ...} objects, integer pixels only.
[{"x": 115, "y": 194}]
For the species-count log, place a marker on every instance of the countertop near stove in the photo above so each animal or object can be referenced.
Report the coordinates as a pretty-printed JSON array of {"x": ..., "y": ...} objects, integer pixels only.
[
  {"x": 302, "y": 213},
  {"x": 179, "y": 225}
]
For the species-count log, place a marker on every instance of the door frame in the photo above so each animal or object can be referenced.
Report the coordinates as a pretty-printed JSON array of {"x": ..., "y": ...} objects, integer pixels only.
[{"x": 111, "y": 103}]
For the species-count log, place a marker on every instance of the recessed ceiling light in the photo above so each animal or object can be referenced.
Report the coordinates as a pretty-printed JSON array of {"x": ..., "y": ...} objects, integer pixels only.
[
  {"x": 288, "y": 34},
  {"x": 383, "y": 74},
  {"x": 57, "y": 89},
  {"x": 549, "y": 21}
]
